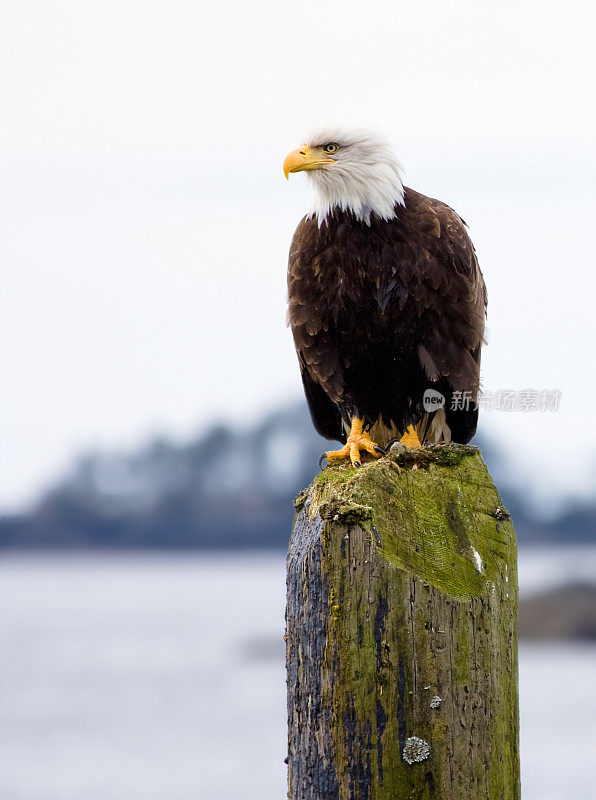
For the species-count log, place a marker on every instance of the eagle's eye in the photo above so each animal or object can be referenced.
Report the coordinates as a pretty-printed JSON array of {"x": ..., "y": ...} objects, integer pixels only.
[{"x": 331, "y": 148}]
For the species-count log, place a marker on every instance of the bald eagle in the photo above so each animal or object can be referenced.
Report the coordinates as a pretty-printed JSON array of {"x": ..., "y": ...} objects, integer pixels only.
[{"x": 386, "y": 301}]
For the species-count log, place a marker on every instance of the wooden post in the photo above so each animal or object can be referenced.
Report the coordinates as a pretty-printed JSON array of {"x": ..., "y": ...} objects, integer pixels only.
[{"x": 402, "y": 633}]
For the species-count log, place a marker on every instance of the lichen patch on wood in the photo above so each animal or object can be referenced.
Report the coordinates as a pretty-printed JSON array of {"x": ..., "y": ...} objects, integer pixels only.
[{"x": 415, "y": 749}]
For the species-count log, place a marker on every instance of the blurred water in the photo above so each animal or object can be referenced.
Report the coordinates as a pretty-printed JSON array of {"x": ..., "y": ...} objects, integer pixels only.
[
  {"x": 142, "y": 677},
  {"x": 545, "y": 566}
]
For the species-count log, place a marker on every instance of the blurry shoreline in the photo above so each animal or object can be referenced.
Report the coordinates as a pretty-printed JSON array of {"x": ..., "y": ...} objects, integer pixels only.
[{"x": 226, "y": 490}]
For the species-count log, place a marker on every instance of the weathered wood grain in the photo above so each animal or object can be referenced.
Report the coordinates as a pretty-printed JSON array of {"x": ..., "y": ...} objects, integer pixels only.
[{"x": 402, "y": 633}]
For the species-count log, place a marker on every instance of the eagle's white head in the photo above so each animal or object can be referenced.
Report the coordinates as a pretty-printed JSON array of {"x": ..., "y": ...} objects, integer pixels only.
[{"x": 351, "y": 169}]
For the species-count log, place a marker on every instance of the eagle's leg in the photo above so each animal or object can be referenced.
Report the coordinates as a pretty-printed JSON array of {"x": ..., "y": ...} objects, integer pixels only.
[
  {"x": 410, "y": 437},
  {"x": 357, "y": 440}
]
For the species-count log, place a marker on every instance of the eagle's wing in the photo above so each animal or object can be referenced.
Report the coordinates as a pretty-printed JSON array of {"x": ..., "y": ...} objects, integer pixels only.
[
  {"x": 454, "y": 295},
  {"x": 455, "y": 311},
  {"x": 324, "y": 413},
  {"x": 310, "y": 339}
]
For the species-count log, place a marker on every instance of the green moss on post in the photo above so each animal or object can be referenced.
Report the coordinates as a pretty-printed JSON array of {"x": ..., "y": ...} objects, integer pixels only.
[{"x": 402, "y": 633}]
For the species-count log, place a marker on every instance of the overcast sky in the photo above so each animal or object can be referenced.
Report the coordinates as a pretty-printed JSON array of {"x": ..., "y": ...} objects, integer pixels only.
[{"x": 145, "y": 221}]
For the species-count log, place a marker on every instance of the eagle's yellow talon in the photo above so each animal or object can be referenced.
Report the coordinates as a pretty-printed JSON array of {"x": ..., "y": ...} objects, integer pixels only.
[
  {"x": 410, "y": 437},
  {"x": 357, "y": 440},
  {"x": 337, "y": 455}
]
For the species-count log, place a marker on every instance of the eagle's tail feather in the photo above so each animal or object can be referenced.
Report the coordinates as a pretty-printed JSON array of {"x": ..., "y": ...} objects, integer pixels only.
[{"x": 431, "y": 429}]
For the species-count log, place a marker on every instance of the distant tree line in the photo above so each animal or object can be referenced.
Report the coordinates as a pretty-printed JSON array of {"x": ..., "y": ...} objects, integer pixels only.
[{"x": 226, "y": 489}]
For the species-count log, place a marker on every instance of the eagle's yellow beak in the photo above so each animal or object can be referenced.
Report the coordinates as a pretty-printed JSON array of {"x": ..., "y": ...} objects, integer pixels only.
[{"x": 305, "y": 158}]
